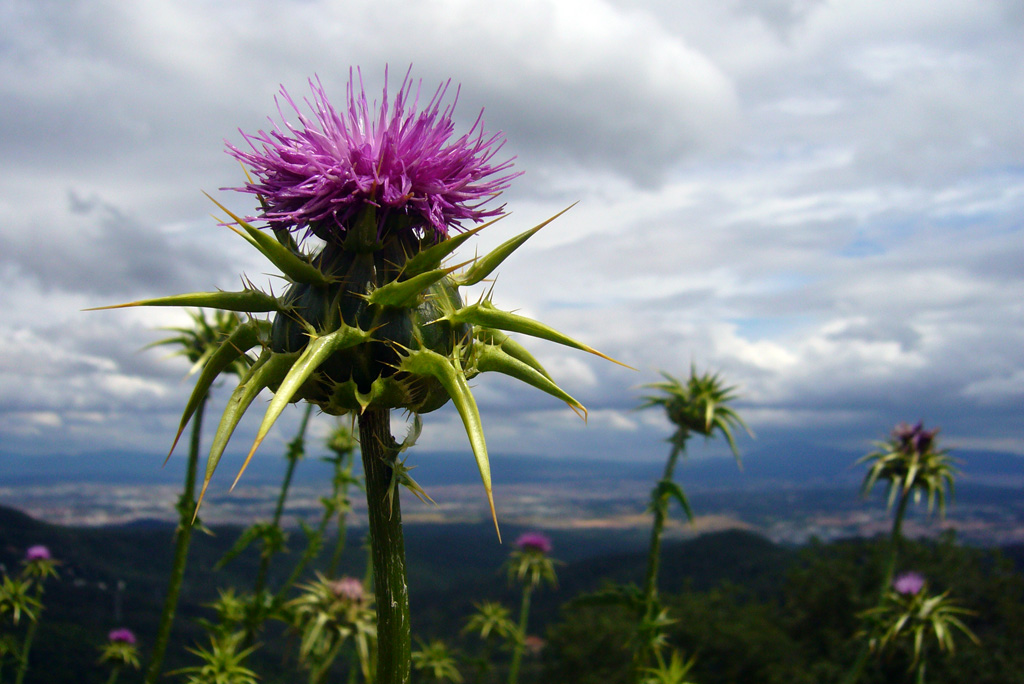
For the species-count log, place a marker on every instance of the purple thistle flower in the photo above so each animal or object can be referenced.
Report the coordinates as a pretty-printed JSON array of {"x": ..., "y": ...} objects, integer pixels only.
[
  {"x": 37, "y": 553},
  {"x": 908, "y": 583},
  {"x": 534, "y": 541},
  {"x": 914, "y": 439},
  {"x": 349, "y": 588},
  {"x": 122, "y": 636},
  {"x": 322, "y": 174}
]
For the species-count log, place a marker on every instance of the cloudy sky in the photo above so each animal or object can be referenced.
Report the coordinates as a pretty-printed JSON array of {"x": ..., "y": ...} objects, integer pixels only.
[{"x": 821, "y": 200}]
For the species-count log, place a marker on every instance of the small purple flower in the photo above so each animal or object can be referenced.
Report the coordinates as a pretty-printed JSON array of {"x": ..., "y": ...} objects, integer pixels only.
[
  {"x": 122, "y": 636},
  {"x": 534, "y": 541},
  {"x": 37, "y": 553},
  {"x": 321, "y": 174},
  {"x": 908, "y": 583},
  {"x": 914, "y": 439},
  {"x": 349, "y": 588}
]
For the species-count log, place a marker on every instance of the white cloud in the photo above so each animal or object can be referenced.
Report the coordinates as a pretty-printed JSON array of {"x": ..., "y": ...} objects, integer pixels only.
[{"x": 822, "y": 200}]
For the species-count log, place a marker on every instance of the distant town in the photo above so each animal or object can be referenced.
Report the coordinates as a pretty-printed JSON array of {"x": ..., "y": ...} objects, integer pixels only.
[{"x": 986, "y": 516}]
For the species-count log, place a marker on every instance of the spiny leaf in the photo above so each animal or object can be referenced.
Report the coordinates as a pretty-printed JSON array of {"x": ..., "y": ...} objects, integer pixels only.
[
  {"x": 430, "y": 258},
  {"x": 510, "y": 347},
  {"x": 242, "y": 339},
  {"x": 486, "y": 264},
  {"x": 487, "y": 315},
  {"x": 449, "y": 373},
  {"x": 404, "y": 293},
  {"x": 492, "y": 358},
  {"x": 292, "y": 265},
  {"x": 269, "y": 369},
  {"x": 315, "y": 353},
  {"x": 252, "y": 301}
]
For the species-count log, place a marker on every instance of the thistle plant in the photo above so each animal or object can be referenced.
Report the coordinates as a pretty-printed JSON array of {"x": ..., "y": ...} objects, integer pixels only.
[
  {"x": 913, "y": 467},
  {"x": 120, "y": 651},
  {"x": 38, "y": 566},
  {"x": 197, "y": 344},
  {"x": 910, "y": 615},
  {"x": 328, "y": 614},
  {"x": 437, "y": 662},
  {"x": 222, "y": 663},
  {"x": 528, "y": 565},
  {"x": 700, "y": 406},
  {"x": 675, "y": 670},
  {"x": 370, "y": 320},
  {"x": 491, "y": 620}
]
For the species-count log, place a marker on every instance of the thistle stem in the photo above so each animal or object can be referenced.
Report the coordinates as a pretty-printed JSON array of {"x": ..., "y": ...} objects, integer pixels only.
[
  {"x": 517, "y": 654},
  {"x": 183, "y": 536},
  {"x": 657, "y": 530},
  {"x": 660, "y": 503},
  {"x": 295, "y": 452},
  {"x": 895, "y": 541},
  {"x": 394, "y": 641},
  {"x": 30, "y": 635}
]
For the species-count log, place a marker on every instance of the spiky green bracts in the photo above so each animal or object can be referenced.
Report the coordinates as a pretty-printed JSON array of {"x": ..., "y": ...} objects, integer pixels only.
[{"x": 369, "y": 325}]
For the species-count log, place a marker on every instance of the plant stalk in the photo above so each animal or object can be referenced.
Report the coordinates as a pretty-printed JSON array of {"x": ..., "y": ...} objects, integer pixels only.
[
  {"x": 394, "y": 641},
  {"x": 30, "y": 635},
  {"x": 295, "y": 451},
  {"x": 517, "y": 654},
  {"x": 895, "y": 540},
  {"x": 183, "y": 536}
]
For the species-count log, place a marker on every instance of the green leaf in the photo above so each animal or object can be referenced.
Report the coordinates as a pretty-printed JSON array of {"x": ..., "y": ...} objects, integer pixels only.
[
  {"x": 430, "y": 258},
  {"x": 486, "y": 315},
  {"x": 449, "y": 373},
  {"x": 406, "y": 293},
  {"x": 492, "y": 358},
  {"x": 292, "y": 265},
  {"x": 242, "y": 339},
  {"x": 268, "y": 370},
  {"x": 251, "y": 301},
  {"x": 486, "y": 264},
  {"x": 674, "y": 491},
  {"x": 315, "y": 353},
  {"x": 510, "y": 347}
]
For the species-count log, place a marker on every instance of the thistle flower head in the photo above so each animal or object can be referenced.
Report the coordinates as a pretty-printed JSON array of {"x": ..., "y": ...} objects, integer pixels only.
[
  {"x": 534, "y": 541},
  {"x": 37, "y": 553},
  {"x": 908, "y": 583},
  {"x": 348, "y": 588},
  {"x": 911, "y": 461},
  {"x": 914, "y": 439},
  {"x": 529, "y": 563},
  {"x": 399, "y": 161},
  {"x": 699, "y": 405},
  {"x": 120, "y": 648},
  {"x": 122, "y": 635}
]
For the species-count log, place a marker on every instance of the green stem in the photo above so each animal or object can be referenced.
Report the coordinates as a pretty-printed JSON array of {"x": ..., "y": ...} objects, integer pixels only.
[
  {"x": 295, "y": 450},
  {"x": 339, "y": 546},
  {"x": 895, "y": 540},
  {"x": 517, "y": 654},
  {"x": 30, "y": 635},
  {"x": 183, "y": 535},
  {"x": 113, "y": 674},
  {"x": 394, "y": 641},
  {"x": 660, "y": 504},
  {"x": 657, "y": 530}
]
